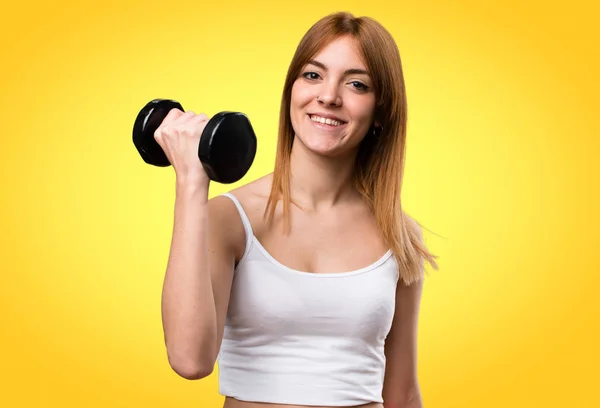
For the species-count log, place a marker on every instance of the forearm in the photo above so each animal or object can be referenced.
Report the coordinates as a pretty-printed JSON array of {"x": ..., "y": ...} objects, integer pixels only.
[{"x": 188, "y": 305}]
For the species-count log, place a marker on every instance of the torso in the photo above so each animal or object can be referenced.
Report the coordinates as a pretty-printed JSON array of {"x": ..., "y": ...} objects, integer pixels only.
[
  {"x": 342, "y": 239},
  {"x": 338, "y": 240}
]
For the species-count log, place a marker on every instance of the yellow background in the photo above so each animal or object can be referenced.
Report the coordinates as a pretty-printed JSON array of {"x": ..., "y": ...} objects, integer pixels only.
[{"x": 502, "y": 168}]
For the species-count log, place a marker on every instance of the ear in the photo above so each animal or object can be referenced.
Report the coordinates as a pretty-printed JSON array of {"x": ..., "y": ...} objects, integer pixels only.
[{"x": 377, "y": 120}]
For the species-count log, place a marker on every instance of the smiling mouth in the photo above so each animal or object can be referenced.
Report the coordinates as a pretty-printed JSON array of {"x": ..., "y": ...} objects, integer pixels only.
[{"x": 326, "y": 121}]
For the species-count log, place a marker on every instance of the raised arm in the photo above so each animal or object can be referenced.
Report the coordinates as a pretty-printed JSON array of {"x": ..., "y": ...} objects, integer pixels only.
[{"x": 202, "y": 255}]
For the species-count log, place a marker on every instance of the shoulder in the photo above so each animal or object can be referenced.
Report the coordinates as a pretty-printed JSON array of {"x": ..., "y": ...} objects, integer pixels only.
[
  {"x": 253, "y": 198},
  {"x": 255, "y": 193},
  {"x": 250, "y": 196},
  {"x": 225, "y": 218},
  {"x": 225, "y": 228}
]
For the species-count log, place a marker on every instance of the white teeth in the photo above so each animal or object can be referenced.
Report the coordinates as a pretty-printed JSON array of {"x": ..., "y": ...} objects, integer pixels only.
[{"x": 327, "y": 121}]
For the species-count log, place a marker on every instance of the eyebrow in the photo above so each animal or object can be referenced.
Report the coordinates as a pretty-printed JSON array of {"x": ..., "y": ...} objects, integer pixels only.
[{"x": 351, "y": 71}]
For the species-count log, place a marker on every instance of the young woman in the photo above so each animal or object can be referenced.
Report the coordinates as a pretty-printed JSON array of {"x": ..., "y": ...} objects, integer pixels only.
[{"x": 304, "y": 284}]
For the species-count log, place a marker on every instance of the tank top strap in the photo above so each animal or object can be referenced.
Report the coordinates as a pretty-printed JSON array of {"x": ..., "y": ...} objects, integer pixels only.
[{"x": 244, "y": 217}]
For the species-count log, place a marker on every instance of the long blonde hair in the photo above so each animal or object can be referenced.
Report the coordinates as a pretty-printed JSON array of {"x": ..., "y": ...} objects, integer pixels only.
[{"x": 381, "y": 157}]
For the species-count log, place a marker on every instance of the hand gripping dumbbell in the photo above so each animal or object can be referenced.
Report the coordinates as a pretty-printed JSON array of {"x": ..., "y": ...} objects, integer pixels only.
[{"x": 227, "y": 145}]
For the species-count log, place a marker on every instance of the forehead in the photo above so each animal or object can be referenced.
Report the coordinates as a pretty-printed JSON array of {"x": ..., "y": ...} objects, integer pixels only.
[{"x": 343, "y": 52}]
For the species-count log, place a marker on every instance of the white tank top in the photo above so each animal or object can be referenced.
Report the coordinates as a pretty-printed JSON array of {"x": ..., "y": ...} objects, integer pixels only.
[{"x": 294, "y": 337}]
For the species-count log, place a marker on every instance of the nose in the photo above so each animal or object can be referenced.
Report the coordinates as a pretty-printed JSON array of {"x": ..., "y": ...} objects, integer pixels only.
[{"x": 329, "y": 96}]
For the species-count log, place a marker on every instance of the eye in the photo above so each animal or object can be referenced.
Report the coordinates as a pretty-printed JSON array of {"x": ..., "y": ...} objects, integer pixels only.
[
  {"x": 359, "y": 85},
  {"x": 311, "y": 75}
]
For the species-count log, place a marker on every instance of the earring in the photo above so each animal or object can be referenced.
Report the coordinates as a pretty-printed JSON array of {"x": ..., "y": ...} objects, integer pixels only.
[{"x": 376, "y": 130}]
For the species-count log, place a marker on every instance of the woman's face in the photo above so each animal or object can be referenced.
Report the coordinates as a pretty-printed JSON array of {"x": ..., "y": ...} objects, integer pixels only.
[{"x": 333, "y": 102}]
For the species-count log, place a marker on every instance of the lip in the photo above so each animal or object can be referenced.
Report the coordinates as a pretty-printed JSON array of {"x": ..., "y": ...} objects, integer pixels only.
[
  {"x": 326, "y": 116},
  {"x": 327, "y": 128}
]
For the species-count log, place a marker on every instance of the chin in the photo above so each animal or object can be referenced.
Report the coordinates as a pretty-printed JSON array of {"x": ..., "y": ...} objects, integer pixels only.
[{"x": 325, "y": 148}]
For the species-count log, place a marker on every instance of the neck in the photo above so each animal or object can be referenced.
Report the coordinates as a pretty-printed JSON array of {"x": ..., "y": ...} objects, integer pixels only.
[{"x": 319, "y": 182}]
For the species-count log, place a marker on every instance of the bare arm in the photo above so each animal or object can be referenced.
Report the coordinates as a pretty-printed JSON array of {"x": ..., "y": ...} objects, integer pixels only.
[
  {"x": 401, "y": 386},
  {"x": 198, "y": 282},
  {"x": 201, "y": 259}
]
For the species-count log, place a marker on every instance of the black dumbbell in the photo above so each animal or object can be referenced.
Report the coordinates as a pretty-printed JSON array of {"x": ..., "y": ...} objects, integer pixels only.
[{"x": 227, "y": 145}]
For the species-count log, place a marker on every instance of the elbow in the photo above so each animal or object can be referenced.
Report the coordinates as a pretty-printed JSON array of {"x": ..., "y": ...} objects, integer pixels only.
[{"x": 191, "y": 370}]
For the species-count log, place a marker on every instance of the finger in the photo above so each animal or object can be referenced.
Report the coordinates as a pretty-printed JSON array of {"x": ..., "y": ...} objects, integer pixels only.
[
  {"x": 191, "y": 128},
  {"x": 172, "y": 116},
  {"x": 201, "y": 118},
  {"x": 182, "y": 119},
  {"x": 196, "y": 125},
  {"x": 190, "y": 124},
  {"x": 167, "y": 127},
  {"x": 174, "y": 123},
  {"x": 158, "y": 136}
]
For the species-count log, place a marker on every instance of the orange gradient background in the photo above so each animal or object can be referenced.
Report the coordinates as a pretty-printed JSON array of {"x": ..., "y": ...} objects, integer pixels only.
[{"x": 502, "y": 170}]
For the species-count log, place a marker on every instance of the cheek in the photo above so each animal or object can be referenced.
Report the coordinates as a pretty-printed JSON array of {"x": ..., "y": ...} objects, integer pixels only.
[
  {"x": 363, "y": 113},
  {"x": 296, "y": 104},
  {"x": 301, "y": 95}
]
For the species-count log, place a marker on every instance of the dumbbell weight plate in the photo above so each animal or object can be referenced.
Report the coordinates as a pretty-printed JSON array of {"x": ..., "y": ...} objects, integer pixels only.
[
  {"x": 146, "y": 123},
  {"x": 227, "y": 147}
]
